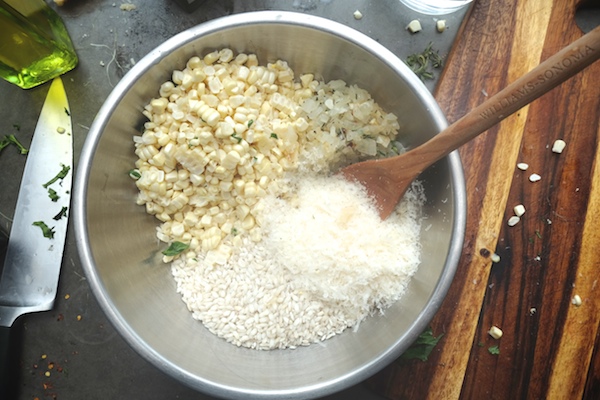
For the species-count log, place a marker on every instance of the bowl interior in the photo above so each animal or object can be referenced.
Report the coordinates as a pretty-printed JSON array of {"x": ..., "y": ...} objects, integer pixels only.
[{"x": 121, "y": 254}]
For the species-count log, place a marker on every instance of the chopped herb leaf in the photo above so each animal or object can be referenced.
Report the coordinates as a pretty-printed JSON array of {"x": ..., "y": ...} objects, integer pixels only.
[
  {"x": 422, "y": 347},
  {"x": 495, "y": 350},
  {"x": 234, "y": 231},
  {"x": 61, "y": 214},
  {"x": 250, "y": 122},
  {"x": 480, "y": 344},
  {"x": 239, "y": 139},
  {"x": 135, "y": 174},
  {"x": 274, "y": 135},
  {"x": 46, "y": 231},
  {"x": 61, "y": 175},
  {"x": 11, "y": 139},
  {"x": 420, "y": 62},
  {"x": 53, "y": 195},
  {"x": 538, "y": 234},
  {"x": 175, "y": 249}
]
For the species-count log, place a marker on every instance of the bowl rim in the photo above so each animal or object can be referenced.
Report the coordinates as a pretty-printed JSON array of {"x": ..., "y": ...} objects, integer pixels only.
[{"x": 95, "y": 134}]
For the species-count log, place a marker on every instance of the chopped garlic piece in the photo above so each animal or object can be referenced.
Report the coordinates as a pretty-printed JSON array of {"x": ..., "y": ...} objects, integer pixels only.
[
  {"x": 534, "y": 177},
  {"x": 519, "y": 210},
  {"x": 357, "y": 15},
  {"x": 512, "y": 221},
  {"x": 523, "y": 166},
  {"x": 495, "y": 258},
  {"x": 440, "y": 25},
  {"x": 558, "y": 146},
  {"x": 495, "y": 332},
  {"x": 414, "y": 26},
  {"x": 576, "y": 300}
]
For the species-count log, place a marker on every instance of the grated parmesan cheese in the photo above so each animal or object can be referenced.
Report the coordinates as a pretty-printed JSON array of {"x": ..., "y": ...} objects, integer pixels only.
[{"x": 335, "y": 245}]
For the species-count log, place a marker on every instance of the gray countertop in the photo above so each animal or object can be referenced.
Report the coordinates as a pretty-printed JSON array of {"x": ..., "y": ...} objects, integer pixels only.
[{"x": 75, "y": 343}]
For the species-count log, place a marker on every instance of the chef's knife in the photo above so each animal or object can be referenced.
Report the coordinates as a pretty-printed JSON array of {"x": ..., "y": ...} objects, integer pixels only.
[{"x": 37, "y": 237}]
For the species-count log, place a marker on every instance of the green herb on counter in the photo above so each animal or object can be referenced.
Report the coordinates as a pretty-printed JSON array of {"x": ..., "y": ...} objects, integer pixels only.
[
  {"x": 495, "y": 350},
  {"x": 11, "y": 139},
  {"x": 421, "y": 63},
  {"x": 422, "y": 347},
  {"x": 61, "y": 175},
  {"x": 46, "y": 230},
  {"x": 175, "y": 249}
]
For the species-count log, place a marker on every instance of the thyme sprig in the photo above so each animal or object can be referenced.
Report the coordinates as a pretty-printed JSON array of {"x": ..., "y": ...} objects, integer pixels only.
[{"x": 422, "y": 63}]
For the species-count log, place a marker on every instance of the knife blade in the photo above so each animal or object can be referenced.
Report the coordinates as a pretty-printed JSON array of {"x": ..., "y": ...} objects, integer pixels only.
[{"x": 34, "y": 255}]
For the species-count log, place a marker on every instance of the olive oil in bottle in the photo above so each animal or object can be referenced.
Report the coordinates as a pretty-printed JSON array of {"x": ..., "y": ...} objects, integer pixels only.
[{"x": 35, "y": 46}]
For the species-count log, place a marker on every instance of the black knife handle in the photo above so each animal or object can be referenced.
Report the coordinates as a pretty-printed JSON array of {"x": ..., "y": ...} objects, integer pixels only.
[{"x": 10, "y": 346}]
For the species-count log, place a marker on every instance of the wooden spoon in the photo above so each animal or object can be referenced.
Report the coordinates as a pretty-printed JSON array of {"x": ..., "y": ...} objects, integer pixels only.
[{"x": 386, "y": 180}]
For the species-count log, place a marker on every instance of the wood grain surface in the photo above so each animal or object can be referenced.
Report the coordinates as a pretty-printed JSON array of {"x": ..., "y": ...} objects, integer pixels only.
[{"x": 549, "y": 349}]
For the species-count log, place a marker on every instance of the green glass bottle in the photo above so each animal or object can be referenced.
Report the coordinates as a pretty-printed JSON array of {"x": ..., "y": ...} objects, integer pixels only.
[{"x": 35, "y": 46}]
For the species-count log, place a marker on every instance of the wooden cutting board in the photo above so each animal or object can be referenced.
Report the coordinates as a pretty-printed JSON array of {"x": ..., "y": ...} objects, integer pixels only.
[{"x": 550, "y": 346}]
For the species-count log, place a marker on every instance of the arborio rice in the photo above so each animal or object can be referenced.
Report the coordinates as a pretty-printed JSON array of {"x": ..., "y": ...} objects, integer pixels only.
[{"x": 236, "y": 161}]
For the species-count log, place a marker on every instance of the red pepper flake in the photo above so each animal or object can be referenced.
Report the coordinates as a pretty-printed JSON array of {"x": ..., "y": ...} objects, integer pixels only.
[
  {"x": 50, "y": 365},
  {"x": 59, "y": 369},
  {"x": 48, "y": 385},
  {"x": 60, "y": 317}
]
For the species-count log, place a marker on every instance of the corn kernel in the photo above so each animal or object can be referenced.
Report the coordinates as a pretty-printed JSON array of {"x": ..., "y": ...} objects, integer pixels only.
[{"x": 495, "y": 332}]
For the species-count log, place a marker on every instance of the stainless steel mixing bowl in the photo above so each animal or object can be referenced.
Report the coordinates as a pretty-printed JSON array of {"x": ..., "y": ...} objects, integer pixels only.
[{"x": 121, "y": 255}]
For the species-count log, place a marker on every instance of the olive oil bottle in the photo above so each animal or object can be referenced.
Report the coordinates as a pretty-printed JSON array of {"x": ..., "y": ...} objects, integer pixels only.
[{"x": 35, "y": 46}]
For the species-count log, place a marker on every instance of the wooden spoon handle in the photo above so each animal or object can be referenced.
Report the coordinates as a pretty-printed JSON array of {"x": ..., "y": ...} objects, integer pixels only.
[{"x": 547, "y": 75}]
